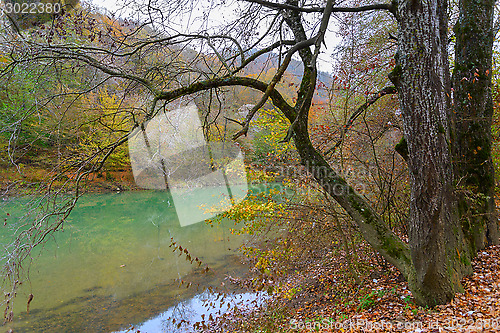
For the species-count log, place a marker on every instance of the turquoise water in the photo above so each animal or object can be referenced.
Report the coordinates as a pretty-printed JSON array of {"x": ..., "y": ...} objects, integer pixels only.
[{"x": 112, "y": 268}]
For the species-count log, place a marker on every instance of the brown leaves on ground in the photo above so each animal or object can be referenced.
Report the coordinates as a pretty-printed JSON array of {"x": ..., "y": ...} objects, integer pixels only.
[{"x": 384, "y": 304}]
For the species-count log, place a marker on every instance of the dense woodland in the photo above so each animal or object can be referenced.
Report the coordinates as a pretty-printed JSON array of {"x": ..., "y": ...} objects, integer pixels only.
[{"x": 393, "y": 158}]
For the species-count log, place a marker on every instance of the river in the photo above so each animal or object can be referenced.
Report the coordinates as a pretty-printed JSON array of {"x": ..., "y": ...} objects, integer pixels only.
[{"x": 112, "y": 268}]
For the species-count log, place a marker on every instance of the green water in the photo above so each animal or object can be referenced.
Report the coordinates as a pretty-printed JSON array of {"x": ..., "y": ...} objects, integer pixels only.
[{"x": 112, "y": 266}]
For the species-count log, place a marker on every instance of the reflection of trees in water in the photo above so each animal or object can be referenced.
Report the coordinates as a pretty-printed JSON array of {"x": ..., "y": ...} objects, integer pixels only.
[
  {"x": 185, "y": 314},
  {"x": 204, "y": 308},
  {"x": 180, "y": 319}
]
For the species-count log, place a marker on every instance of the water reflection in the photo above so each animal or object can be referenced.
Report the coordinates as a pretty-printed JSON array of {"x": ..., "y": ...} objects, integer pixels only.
[{"x": 196, "y": 309}]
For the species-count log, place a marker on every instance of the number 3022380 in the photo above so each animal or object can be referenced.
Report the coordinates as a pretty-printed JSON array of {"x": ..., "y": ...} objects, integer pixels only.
[{"x": 30, "y": 8}]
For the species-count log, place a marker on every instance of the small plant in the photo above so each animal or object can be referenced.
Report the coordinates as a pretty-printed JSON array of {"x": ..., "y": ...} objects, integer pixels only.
[
  {"x": 343, "y": 317},
  {"x": 369, "y": 300},
  {"x": 409, "y": 305},
  {"x": 292, "y": 292}
]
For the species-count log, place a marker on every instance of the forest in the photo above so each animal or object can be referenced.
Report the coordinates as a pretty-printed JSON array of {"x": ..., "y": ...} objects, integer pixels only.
[{"x": 363, "y": 135}]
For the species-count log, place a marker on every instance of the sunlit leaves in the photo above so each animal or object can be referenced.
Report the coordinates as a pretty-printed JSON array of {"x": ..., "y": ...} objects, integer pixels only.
[{"x": 270, "y": 128}]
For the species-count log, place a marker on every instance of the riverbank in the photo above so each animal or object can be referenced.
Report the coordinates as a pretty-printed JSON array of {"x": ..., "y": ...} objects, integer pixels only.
[
  {"x": 324, "y": 278},
  {"x": 29, "y": 180},
  {"x": 382, "y": 303}
]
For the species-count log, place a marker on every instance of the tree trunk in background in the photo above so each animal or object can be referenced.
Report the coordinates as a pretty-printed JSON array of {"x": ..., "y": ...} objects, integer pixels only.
[
  {"x": 422, "y": 79},
  {"x": 471, "y": 137}
]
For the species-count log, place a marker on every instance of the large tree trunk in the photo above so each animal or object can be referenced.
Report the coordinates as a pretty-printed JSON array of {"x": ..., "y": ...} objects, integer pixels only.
[
  {"x": 439, "y": 254},
  {"x": 422, "y": 79},
  {"x": 471, "y": 137}
]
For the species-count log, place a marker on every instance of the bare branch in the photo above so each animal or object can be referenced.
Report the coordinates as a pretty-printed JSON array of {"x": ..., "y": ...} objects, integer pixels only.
[
  {"x": 277, "y": 77},
  {"x": 53, "y": 53},
  {"x": 280, "y": 6},
  {"x": 235, "y": 121},
  {"x": 275, "y": 96},
  {"x": 312, "y": 64},
  {"x": 261, "y": 52},
  {"x": 358, "y": 112},
  {"x": 275, "y": 5}
]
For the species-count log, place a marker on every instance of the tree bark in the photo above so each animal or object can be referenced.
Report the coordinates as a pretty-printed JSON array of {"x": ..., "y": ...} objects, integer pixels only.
[
  {"x": 473, "y": 114},
  {"x": 422, "y": 79}
]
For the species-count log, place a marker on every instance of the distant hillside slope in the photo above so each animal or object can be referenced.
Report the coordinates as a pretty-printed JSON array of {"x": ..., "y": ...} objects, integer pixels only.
[{"x": 269, "y": 62}]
